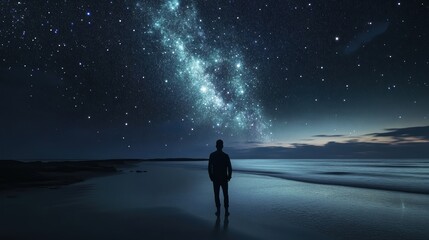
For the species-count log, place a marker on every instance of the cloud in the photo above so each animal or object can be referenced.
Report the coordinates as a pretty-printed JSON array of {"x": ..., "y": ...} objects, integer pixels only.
[
  {"x": 367, "y": 36},
  {"x": 399, "y": 134},
  {"x": 352, "y": 148},
  {"x": 328, "y": 136}
]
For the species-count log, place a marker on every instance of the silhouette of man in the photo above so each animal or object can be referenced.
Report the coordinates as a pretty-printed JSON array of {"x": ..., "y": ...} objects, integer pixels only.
[{"x": 220, "y": 173}]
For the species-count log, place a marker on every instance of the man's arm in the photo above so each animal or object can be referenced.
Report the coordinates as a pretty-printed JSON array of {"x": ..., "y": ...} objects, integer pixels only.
[
  {"x": 210, "y": 168},
  {"x": 229, "y": 168}
]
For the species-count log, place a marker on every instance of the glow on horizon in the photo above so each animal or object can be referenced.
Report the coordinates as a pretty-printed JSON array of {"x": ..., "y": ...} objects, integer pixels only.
[{"x": 322, "y": 141}]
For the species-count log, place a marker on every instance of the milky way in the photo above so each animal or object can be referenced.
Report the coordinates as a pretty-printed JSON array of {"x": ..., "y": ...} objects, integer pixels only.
[{"x": 218, "y": 85}]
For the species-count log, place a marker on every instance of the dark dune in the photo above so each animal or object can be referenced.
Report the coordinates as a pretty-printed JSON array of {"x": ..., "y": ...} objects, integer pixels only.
[{"x": 16, "y": 174}]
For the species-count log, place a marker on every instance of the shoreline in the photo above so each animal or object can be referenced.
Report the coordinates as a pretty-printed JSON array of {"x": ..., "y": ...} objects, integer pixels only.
[{"x": 157, "y": 200}]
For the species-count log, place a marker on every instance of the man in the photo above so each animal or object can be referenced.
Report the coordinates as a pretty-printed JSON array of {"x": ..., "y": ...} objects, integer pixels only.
[{"x": 220, "y": 173}]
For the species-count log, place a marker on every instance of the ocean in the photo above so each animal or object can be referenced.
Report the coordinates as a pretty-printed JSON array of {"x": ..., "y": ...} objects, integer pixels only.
[{"x": 401, "y": 175}]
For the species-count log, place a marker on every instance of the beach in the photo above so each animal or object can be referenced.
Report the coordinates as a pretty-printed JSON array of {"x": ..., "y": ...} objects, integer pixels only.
[{"x": 269, "y": 199}]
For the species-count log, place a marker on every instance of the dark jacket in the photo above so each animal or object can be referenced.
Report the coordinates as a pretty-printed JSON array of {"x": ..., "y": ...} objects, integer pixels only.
[{"x": 219, "y": 167}]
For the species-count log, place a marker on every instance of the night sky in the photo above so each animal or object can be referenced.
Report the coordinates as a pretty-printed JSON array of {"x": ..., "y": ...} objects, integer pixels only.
[{"x": 145, "y": 79}]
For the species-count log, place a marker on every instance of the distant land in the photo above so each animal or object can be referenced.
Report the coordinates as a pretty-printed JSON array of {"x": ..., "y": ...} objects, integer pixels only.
[{"x": 16, "y": 174}]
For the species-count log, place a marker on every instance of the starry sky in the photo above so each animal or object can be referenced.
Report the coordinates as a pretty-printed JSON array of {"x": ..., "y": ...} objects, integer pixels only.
[{"x": 167, "y": 78}]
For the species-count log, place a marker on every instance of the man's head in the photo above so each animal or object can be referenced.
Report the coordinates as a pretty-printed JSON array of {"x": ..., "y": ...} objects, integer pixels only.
[{"x": 219, "y": 144}]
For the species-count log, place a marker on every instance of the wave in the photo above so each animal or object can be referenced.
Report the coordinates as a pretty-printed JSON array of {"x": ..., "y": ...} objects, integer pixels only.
[{"x": 339, "y": 181}]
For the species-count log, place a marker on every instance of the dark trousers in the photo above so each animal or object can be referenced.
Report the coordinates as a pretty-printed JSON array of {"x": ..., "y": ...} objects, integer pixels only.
[{"x": 216, "y": 188}]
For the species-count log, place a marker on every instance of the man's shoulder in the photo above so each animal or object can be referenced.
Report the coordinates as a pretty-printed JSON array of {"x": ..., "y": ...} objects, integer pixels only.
[{"x": 212, "y": 155}]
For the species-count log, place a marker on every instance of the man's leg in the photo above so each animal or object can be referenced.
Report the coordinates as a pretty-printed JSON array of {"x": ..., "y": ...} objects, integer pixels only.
[
  {"x": 216, "y": 188},
  {"x": 225, "y": 197}
]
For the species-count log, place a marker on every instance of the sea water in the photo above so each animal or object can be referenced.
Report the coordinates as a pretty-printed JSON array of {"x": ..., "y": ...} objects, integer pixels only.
[{"x": 403, "y": 175}]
